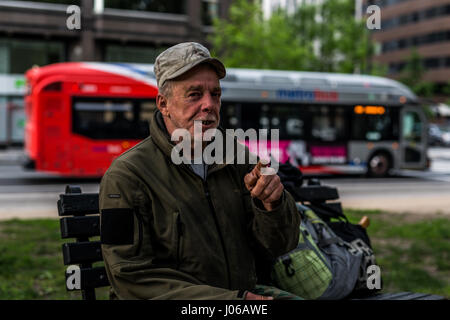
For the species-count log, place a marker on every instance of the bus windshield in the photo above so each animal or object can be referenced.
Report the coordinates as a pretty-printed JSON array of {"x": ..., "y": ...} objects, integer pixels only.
[{"x": 112, "y": 118}]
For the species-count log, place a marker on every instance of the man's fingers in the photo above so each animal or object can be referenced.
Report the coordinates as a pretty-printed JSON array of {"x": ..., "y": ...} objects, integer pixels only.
[
  {"x": 261, "y": 190},
  {"x": 276, "y": 194},
  {"x": 251, "y": 178},
  {"x": 271, "y": 186},
  {"x": 261, "y": 164}
]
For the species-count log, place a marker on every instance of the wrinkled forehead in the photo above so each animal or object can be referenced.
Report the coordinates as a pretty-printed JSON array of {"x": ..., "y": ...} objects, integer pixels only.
[{"x": 203, "y": 76}]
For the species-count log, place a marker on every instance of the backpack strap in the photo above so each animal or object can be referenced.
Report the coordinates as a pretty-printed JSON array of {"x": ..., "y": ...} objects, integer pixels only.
[{"x": 326, "y": 242}]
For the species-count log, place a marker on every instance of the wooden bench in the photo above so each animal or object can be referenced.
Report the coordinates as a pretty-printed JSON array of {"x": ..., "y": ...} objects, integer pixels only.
[{"x": 81, "y": 221}]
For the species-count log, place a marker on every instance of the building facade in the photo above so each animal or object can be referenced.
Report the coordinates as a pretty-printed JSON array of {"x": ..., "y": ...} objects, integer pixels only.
[
  {"x": 37, "y": 33},
  {"x": 408, "y": 25}
]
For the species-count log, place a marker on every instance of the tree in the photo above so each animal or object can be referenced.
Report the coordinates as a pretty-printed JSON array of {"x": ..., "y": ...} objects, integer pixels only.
[
  {"x": 412, "y": 74},
  {"x": 246, "y": 40},
  {"x": 318, "y": 37}
]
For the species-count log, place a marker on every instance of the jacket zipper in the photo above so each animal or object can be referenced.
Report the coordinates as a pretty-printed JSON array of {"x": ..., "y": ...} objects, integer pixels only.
[
  {"x": 140, "y": 226},
  {"x": 211, "y": 205},
  {"x": 213, "y": 212},
  {"x": 179, "y": 235}
]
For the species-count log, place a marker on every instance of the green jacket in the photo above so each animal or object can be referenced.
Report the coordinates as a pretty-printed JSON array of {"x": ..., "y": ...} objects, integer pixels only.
[{"x": 168, "y": 234}]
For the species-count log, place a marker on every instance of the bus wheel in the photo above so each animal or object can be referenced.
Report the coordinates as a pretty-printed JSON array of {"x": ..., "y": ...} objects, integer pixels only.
[{"x": 379, "y": 165}]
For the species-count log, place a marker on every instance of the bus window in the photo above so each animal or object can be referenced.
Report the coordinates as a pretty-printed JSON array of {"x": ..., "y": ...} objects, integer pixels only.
[
  {"x": 375, "y": 127},
  {"x": 112, "y": 118},
  {"x": 252, "y": 116},
  {"x": 412, "y": 127},
  {"x": 264, "y": 118},
  {"x": 328, "y": 123},
  {"x": 289, "y": 120},
  {"x": 147, "y": 110},
  {"x": 229, "y": 116}
]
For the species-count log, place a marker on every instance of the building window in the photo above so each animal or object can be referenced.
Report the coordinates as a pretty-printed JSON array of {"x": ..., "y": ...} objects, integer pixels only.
[
  {"x": 163, "y": 6},
  {"x": 117, "y": 53},
  {"x": 425, "y": 39},
  {"x": 68, "y": 2},
  {"x": 417, "y": 16},
  {"x": 210, "y": 11},
  {"x": 20, "y": 55}
]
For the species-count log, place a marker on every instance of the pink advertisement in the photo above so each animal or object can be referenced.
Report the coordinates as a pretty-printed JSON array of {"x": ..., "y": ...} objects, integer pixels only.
[{"x": 328, "y": 154}]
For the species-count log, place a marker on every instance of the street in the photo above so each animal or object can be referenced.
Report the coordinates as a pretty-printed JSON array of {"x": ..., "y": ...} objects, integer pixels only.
[{"x": 27, "y": 194}]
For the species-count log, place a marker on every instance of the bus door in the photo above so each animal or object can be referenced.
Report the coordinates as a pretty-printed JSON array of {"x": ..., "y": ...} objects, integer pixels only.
[{"x": 413, "y": 138}]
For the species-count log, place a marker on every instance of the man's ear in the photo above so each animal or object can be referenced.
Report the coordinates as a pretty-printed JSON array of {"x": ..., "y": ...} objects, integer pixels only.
[{"x": 161, "y": 103}]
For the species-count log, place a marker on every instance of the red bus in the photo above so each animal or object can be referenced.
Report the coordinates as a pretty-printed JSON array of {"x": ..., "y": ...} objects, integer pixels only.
[{"x": 81, "y": 116}]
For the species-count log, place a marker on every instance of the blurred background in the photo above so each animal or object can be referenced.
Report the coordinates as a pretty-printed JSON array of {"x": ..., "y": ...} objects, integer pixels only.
[{"x": 410, "y": 206}]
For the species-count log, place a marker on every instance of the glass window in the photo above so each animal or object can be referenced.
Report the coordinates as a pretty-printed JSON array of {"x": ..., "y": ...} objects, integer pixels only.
[
  {"x": 68, "y": 2},
  {"x": 112, "y": 118},
  {"x": 412, "y": 127},
  {"x": 210, "y": 11},
  {"x": 4, "y": 58},
  {"x": 116, "y": 53},
  {"x": 165, "y": 6},
  {"x": 376, "y": 127},
  {"x": 288, "y": 119},
  {"x": 21, "y": 55},
  {"x": 328, "y": 123}
]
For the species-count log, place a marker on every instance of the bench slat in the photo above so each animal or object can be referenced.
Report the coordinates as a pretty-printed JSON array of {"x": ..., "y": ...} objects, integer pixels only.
[
  {"x": 78, "y": 227},
  {"x": 82, "y": 252},
  {"x": 78, "y": 204},
  {"x": 91, "y": 278}
]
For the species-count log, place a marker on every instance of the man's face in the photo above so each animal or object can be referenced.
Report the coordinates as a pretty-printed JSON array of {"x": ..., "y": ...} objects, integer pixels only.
[{"x": 195, "y": 96}]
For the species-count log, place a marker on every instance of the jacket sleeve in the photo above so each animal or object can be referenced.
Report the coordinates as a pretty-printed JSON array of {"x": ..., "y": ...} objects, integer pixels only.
[
  {"x": 128, "y": 247},
  {"x": 276, "y": 232}
]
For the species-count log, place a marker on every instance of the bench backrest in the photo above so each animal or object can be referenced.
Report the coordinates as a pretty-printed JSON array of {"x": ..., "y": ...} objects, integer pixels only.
[{"x": 81, "y": 221}]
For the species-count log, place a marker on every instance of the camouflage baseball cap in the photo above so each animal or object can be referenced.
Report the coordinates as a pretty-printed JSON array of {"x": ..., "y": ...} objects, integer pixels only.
[{"x": 181, "y": 58}]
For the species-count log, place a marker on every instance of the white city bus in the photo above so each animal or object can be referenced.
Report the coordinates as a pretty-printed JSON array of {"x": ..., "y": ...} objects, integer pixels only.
[
  {"x": 330, "y": 123},
  {"x": 12, "y": 113}
]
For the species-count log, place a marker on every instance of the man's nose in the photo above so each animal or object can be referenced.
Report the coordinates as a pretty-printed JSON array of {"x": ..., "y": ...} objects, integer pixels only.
[{"x": 208, "y": 102}]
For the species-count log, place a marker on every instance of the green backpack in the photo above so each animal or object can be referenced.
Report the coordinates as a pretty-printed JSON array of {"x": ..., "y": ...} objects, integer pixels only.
[{"x": 321, "y": 267}]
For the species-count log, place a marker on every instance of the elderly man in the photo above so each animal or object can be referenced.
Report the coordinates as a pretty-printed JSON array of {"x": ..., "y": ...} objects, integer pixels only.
[{"x": 190, "y": 231}]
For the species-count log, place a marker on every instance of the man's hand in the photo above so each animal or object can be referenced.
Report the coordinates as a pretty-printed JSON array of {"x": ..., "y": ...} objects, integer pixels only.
[
  {"x": 266, "y": 187},
  {"x": 252, "y": 296}
]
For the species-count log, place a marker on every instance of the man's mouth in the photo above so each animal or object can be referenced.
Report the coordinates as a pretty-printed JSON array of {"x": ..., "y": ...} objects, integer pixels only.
[{"x": 207, "y": 122}]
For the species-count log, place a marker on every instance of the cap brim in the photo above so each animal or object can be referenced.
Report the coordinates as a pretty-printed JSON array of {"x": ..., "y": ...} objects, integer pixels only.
[{"x": 215, "y": 63}]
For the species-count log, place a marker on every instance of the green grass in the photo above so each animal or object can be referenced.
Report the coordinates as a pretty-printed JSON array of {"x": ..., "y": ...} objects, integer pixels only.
[
  {"x": 412, "y": 251},
  {"x": 31, "y": 263}
]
